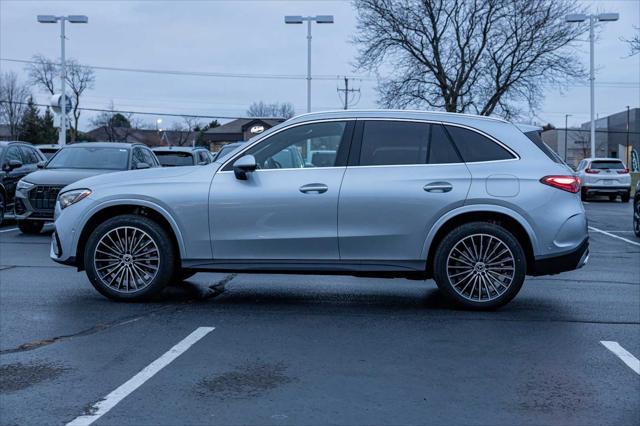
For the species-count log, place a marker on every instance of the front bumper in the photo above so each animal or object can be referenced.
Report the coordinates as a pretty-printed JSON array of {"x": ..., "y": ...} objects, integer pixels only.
[
  {"x": 574, "y": 259},
  {"x": 25, "y": 210}
]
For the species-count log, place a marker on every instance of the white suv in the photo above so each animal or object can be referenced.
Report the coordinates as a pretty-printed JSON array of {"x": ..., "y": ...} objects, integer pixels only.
[{"x": 605, "y": 176}]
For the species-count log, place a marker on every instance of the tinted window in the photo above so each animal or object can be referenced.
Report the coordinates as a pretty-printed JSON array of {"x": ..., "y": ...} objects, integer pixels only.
[
  {"x": 475, "y": 147},
  {"x": 90, "y": 158},
  {"x": 149, "y": 158},
  {"x": 394, "y": 143},
  {"x": 294, "y": 147},
  {"x": 441, "y": 151},
  {"x": 537, "y": 140},
  {"x": 203, "y": 157},
  {"x": 13, "y": 153},
  {"x": 175, "y": 158},
  {"x": 29, "y": 155},
  {"x": 607, "y": 165}
]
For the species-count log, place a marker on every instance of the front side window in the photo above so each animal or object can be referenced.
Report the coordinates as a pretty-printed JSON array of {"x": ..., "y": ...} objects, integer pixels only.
[
  {"x": 300, "y": 146},
  {"x": 30, "y": 155},
  {"x": 475, "y": 147},
  {"x": 90, "y": 158},
  {"x": 149, "y": 158},
  {"x": 13, "y": 153}
]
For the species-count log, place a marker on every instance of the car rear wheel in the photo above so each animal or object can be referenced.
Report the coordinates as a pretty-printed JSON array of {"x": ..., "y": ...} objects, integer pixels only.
[
  {"x": 480, "y": 265},
  {"x": 583, "y": 194},
  {"x": 2, "y": 207},
  {"x": 636, "y": 218},
  {"x": 613, "y": 197},
  {"x": 129, "y": 258},
  {"x": 626, "y": 197},
  {"x": 30, "y": 226}
]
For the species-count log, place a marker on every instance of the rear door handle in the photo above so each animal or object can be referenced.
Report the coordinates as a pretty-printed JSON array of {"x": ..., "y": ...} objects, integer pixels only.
[
  {"x": 438, "y": 187},
  {"x": 319, "y": 188}
]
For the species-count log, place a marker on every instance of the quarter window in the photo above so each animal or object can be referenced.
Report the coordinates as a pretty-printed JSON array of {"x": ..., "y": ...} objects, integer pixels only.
[
  {"x": 305, "y": 146},
  {"x": 394, "y": 143},
  {"x": 475, "y": 147}
]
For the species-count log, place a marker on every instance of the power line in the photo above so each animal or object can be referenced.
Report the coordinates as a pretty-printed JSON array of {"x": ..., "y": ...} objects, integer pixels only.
[{"x": 350, "y": 95}]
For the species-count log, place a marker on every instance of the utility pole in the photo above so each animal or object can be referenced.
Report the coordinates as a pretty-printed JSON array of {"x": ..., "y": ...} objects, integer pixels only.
[
  {"x": 566, "y": 130},
  {"x": 347, "y": 93},
  {"x": 626, "y": 154}
]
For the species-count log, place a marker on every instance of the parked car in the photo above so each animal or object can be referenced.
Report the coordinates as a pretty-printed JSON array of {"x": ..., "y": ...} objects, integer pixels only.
[
  {"x": 171, "y": 156},
  {"x": 37, "y": 192},
  {"x": 48, "y": 149},
  {"x": 17, "y": 159},
  {"x": 636, "y": 211},
  {"x": 604, "y": 176},
  {"x": 467, "y": 200},
  {"x": 226, "y": 149}
]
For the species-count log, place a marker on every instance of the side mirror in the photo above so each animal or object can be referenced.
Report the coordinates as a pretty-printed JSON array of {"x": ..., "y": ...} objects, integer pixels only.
[
  {"x": 143, "y": 165},
  {"x": 13, "y": 164},
  {"x": 41, "y": 164},
  {"x": 244, "y": 165}
]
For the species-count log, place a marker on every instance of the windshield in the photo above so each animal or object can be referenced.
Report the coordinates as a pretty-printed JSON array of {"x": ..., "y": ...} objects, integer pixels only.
[
  {"x": 607, "y": 165},
  {"x": 175, "y": 158},
  {"x": 90, "y": 158}
]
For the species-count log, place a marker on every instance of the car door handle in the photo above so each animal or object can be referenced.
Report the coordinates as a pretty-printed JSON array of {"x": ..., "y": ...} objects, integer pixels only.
[
  {"x": 319, "y": 188},
  {"x": 438, "y": 187}
]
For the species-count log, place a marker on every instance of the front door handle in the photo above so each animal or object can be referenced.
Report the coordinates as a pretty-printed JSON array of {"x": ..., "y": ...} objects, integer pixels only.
[
  {"x": 438, "y": 187},
  {"x": 318, "y": 188}
]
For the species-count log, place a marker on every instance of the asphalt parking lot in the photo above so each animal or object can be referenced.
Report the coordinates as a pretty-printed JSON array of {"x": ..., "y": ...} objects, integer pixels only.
[{"x": 268, "y": 349}]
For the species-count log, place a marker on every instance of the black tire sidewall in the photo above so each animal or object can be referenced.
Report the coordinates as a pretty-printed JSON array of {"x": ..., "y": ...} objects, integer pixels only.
[
  {"x": 3, "y": 206},
  {"x": 166, "y": 251},
  {"x": 30, "y": 226},
  {"x": 450, "y": 240}
]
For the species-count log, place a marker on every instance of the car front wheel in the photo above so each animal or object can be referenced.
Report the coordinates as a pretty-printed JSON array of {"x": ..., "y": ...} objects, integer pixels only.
[
  {"x": 129, "y": 258},
  {"x": 480, "y": 265},
  {"x": 30, "y": 226}
]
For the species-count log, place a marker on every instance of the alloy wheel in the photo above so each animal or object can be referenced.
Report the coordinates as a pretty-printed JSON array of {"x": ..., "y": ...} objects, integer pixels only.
[
  {"x": 126, "y": 259},
  {"x": 480, "y": 267}
]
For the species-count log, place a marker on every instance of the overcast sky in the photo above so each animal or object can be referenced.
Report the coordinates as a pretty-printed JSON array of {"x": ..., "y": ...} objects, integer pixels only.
[{"x": 250, "y": 37}]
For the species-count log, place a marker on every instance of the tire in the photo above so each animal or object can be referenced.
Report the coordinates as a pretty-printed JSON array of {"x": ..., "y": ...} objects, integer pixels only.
[
  {"x": 636, "y": 218},
  {"x": 2, "y": 207},
  {"x": 30, "y": 227},
  {"x": 625, "y": 197},
  {"x": 613, "y": 197},
  {"x": 583, "y": 195},
  {"x": 123, "y": 273},
  {"x": 457, "y": 274}
]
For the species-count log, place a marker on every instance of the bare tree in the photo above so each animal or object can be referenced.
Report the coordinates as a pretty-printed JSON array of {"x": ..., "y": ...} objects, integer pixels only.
[
  {"x": 13, "y": 101},
  {"x": 43, "y": 72},
  {"x": 183, "y": 134},
  {"x": 274, "y": 110},
  {"x": 117, "y": 126},
  {"x": 634, "y": 42},
  {"x": 481, "y": 56}
]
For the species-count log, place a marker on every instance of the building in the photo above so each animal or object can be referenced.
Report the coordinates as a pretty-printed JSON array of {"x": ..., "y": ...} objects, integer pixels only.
[
  {"x": 617, "y": 136},
  {"x": 238, "y": 130},
  {"x": 5, "y": 133}
]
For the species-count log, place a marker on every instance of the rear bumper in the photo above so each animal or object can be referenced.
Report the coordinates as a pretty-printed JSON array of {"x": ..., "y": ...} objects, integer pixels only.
[
  {"x": 574, "y": 259},
  {"x": 617, "y": 189}
]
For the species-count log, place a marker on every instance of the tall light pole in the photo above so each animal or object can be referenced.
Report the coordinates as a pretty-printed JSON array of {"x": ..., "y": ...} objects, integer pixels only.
[
  {"x": 566, "y": 130},
  {"x": 581, "y": 17},
  {"x": 51, "y": 19},
  {"x": 320, "y": 19}
]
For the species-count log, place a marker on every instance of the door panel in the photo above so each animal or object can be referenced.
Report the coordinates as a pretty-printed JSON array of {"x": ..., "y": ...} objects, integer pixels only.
[
  {"x": 288, "y": 214},
  {"x": 386, "y": 212}
]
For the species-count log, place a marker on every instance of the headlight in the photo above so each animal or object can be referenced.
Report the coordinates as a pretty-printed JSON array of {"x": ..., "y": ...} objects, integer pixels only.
[
  {"x": 23, "y": 185},
  {"x": 72, "y": 197}
]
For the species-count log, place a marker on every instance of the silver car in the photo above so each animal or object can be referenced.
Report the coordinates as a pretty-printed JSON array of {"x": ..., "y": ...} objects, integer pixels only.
[
  {"x": 469, "y": 201},
  {"x": 604, "y": 176}
]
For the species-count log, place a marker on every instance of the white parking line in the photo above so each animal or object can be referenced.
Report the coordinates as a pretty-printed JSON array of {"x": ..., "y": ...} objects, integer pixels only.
[
  {"x": 614, "y": 236},
  {"x": 631, "y": 361},
  {"x": 102, "y": 407},
  {"x": 8, "y": 230}
]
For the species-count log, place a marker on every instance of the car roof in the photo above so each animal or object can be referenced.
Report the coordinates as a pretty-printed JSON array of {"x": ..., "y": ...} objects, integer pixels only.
[
  {"x": 49, "y": 145},
  {"x": 177, "y": 148},
  {"x": 7, "y": 143},
  {"x": 104, "y": 145},
  {"x": 394, "y": 113}
]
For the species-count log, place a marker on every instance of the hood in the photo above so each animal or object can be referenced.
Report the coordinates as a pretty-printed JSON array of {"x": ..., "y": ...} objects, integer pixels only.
[
  {"x": 137, "y": 176},
  {"x": 61, "y": 176}
]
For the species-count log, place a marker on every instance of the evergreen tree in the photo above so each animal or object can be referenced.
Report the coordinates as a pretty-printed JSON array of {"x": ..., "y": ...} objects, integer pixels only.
[
  {"x": 48, "y": 131},
  {"x": 30, "y": 124}
]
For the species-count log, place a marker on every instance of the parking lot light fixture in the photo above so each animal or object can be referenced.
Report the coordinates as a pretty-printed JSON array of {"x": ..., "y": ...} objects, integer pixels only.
[
  {"x": 319, "y": 19},
  {"x": 593, "y": 18},
  {"x": 52, "y": 19}
]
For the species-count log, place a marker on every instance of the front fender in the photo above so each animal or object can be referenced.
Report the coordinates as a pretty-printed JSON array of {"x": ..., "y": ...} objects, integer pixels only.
[{"x": 491, "y": 208}]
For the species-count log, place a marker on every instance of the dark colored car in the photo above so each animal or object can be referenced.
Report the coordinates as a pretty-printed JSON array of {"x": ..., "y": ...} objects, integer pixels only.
[
  {"x": 636, "y": 211},
  {"x": 172, "y": 156},
  {"x": 37, "y": 192},
  {"x": 17, "y": 159}
]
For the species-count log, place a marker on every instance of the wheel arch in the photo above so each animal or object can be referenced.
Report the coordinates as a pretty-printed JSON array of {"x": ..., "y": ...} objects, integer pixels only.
[
  {"x": 138, "y": 207},
  {"x": 509, "y": 219}
]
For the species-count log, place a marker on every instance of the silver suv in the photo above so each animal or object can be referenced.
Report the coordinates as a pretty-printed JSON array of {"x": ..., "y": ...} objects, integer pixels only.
[
  {"x": 470, "y": 201},
  {"x": 604, "y": 176}
]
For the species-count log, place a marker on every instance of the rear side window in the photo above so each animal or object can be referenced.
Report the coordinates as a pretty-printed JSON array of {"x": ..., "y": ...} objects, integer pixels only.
[
  {"x": 607, "y": 165},
  {"x": 394, "y": 143},
  {"x": 441, "y": 151},
  {"x": 475, "y": 147}
]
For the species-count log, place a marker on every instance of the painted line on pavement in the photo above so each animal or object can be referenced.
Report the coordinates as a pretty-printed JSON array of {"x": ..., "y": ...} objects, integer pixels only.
[
  {"x": 103, "y": 406},
  {"x": 631, "y": 361},
  {"x": 614, "y": 236},
  {"x": 8, "y": 230}
]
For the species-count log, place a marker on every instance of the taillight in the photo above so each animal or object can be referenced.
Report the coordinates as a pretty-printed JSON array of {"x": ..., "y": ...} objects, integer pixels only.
[
  {"x": 592, "y": 171},
  {"x": 566, "y": 183},
  {"x": 623, "y": 171}
]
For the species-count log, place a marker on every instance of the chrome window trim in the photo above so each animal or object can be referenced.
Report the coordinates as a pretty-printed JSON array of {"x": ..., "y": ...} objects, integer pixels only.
[{"x": 238, "y": 155}]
